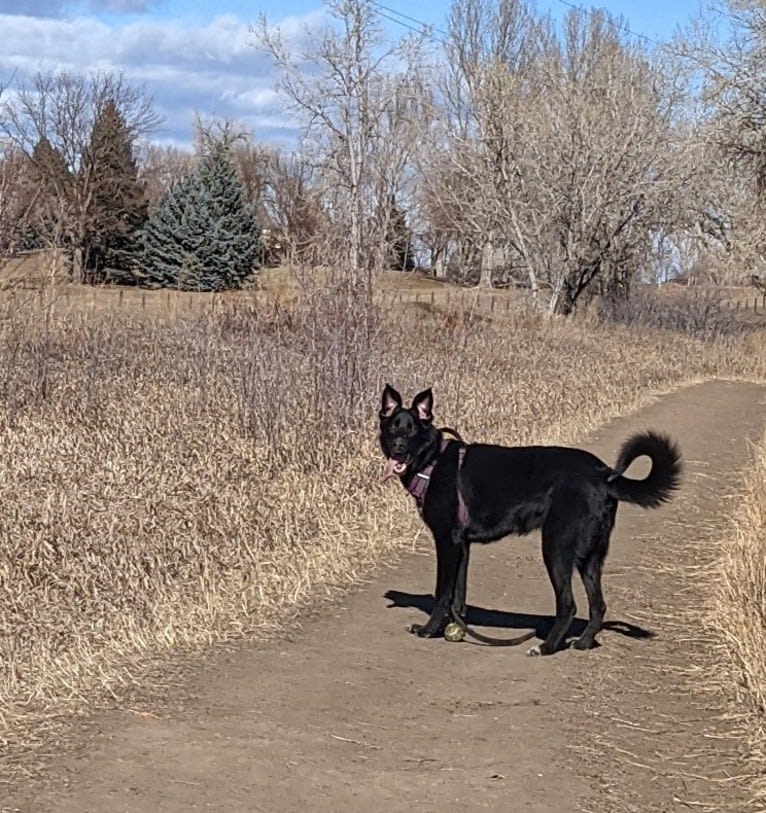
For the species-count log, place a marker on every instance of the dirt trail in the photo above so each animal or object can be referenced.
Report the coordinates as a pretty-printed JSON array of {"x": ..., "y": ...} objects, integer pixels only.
[{"x": 354, "y": 714}]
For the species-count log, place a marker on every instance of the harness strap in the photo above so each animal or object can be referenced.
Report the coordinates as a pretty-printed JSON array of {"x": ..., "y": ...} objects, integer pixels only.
[
  {"x": 419, "y": 483},
  {"x": 462, "y": 508}
]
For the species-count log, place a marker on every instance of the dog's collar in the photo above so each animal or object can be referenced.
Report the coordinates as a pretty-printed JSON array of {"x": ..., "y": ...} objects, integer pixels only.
[{"x": 419, "y": 482}]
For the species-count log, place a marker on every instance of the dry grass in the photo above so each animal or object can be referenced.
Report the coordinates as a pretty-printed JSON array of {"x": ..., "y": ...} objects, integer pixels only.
[
  {"x": 738, "y": 617},
  {"x": 171, "y": 482}
]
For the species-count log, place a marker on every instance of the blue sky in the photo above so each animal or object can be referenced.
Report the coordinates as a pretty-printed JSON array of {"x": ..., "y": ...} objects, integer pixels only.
[{"x": 198, "y": 56}]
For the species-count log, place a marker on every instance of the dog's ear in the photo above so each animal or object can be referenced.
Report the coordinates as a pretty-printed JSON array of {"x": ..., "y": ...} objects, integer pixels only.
[
  {"x": 390, "y": 403},
  {"x": 423, "y": 404}
]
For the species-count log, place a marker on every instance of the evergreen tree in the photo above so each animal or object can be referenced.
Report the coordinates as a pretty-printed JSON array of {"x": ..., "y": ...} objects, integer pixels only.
[
  {"x": 203, "y": 235},
  {"x": 49, "y": 167},
  {"x": 399, "y": 240},
  {"x": 50, "y": 193},
  {"x": 116, "y": 206}
]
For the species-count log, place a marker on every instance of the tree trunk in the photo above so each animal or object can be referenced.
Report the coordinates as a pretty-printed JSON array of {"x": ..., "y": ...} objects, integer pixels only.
[
  {"x": 487, "y": 261},
  {"x": 77, "y": 265}
]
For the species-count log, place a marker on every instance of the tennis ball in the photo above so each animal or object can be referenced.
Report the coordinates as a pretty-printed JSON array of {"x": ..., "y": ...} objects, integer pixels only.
[{"x": 454, "y": 632}]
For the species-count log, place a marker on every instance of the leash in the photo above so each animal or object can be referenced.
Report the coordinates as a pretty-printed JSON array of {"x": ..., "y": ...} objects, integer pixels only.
[{"x": 486, "y": 639}]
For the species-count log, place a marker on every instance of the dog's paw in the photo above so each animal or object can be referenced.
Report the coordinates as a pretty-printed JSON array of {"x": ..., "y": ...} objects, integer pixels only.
[
  {"x": 423, "y": 631},
  {"x": 581, "y": 645},
  {"x": 534, "y": 651},
  {"x": 575, "y": 644}
]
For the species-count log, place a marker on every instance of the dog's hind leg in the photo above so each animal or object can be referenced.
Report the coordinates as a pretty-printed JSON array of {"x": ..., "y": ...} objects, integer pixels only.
[
  {"x": 590, "y": 571},
  {"x": 558, "y": 554},
  {"x": 448, "y": 558},
  {"x": 590, "y": 563}
]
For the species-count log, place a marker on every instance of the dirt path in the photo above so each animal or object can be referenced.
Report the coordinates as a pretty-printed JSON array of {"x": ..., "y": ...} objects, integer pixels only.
[{"x": 353, "y": 714}]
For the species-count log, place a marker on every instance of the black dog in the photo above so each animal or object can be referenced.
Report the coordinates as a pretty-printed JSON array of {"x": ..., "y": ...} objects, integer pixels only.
[{"x": 480, "y": 493}]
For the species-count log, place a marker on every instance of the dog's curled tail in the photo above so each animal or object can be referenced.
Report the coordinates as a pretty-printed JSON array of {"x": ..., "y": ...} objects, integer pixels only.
[{"x": 663, "y": 479}]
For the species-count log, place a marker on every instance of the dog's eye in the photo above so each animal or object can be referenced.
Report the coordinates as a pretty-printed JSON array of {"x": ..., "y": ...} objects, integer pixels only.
[{"x": 406, "y": 428}]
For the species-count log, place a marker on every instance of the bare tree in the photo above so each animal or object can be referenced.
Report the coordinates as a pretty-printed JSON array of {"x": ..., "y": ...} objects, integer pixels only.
[
  {"x": 14, "y": 200},
  {"x": 160, "y": 167},
  {"x": 355, "y": 97},
  {"x": 292, "y": 199},
  {"x": 560, "y": 146},
  {"x": 734, "y": 88},
  {"x": 487, "y": 41},
  {"x": 725, "y": 51},
  {"x": 284, "y": 192}
]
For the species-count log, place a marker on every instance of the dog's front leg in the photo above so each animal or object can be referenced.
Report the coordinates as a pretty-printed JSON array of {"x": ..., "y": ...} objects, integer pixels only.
[
  {"x": 458, "y": 602},
  {"x": 448, "y": 557}
]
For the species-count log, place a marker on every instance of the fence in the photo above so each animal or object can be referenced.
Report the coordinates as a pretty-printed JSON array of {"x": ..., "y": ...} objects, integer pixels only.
[
  {"x": 497, "y": 301},
  {"x": 510, "y": 302},
  {"x": 754, "y": 304}
]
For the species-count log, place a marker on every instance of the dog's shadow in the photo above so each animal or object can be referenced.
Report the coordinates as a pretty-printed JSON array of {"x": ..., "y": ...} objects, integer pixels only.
[{"x": 541, "y": 624}]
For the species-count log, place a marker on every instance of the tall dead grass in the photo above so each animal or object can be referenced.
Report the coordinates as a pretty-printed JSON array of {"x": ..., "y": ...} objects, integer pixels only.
[
  {"x": 168, "y": 483},
  {"x": 738, "y": 616}
]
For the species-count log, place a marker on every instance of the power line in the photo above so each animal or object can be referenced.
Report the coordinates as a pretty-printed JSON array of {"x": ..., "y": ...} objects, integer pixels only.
[
  {"x": 399, "y": 18},
  {"x": 424, "y": 30},
  {"x": 624, "y": 28},
  {"x": 420, "y": 23}
]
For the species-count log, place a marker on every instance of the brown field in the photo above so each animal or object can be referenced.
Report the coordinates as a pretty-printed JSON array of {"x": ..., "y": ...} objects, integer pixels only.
[{"x": 176, "y": 475}]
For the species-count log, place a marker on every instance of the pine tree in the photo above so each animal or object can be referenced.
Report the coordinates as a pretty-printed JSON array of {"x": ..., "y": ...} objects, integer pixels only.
[
  {"x": 116, "y": 206},
  {"x": 203, "y": 235},
  {"x": 50, "y": 192},
  {"x": 49, "y": 168},
  {"x": 399, "y": 240}
]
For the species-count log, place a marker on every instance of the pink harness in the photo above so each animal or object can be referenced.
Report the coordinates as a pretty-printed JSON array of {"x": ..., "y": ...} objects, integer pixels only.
[{"x": 418, "y": 486}]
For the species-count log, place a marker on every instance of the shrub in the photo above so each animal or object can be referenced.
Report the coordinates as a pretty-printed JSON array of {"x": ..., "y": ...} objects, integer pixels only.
[{"x": 703, "y": 314}]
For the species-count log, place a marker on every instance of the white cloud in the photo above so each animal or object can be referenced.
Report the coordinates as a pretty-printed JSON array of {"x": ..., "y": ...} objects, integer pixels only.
[{"x": 211, "y": 68}]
